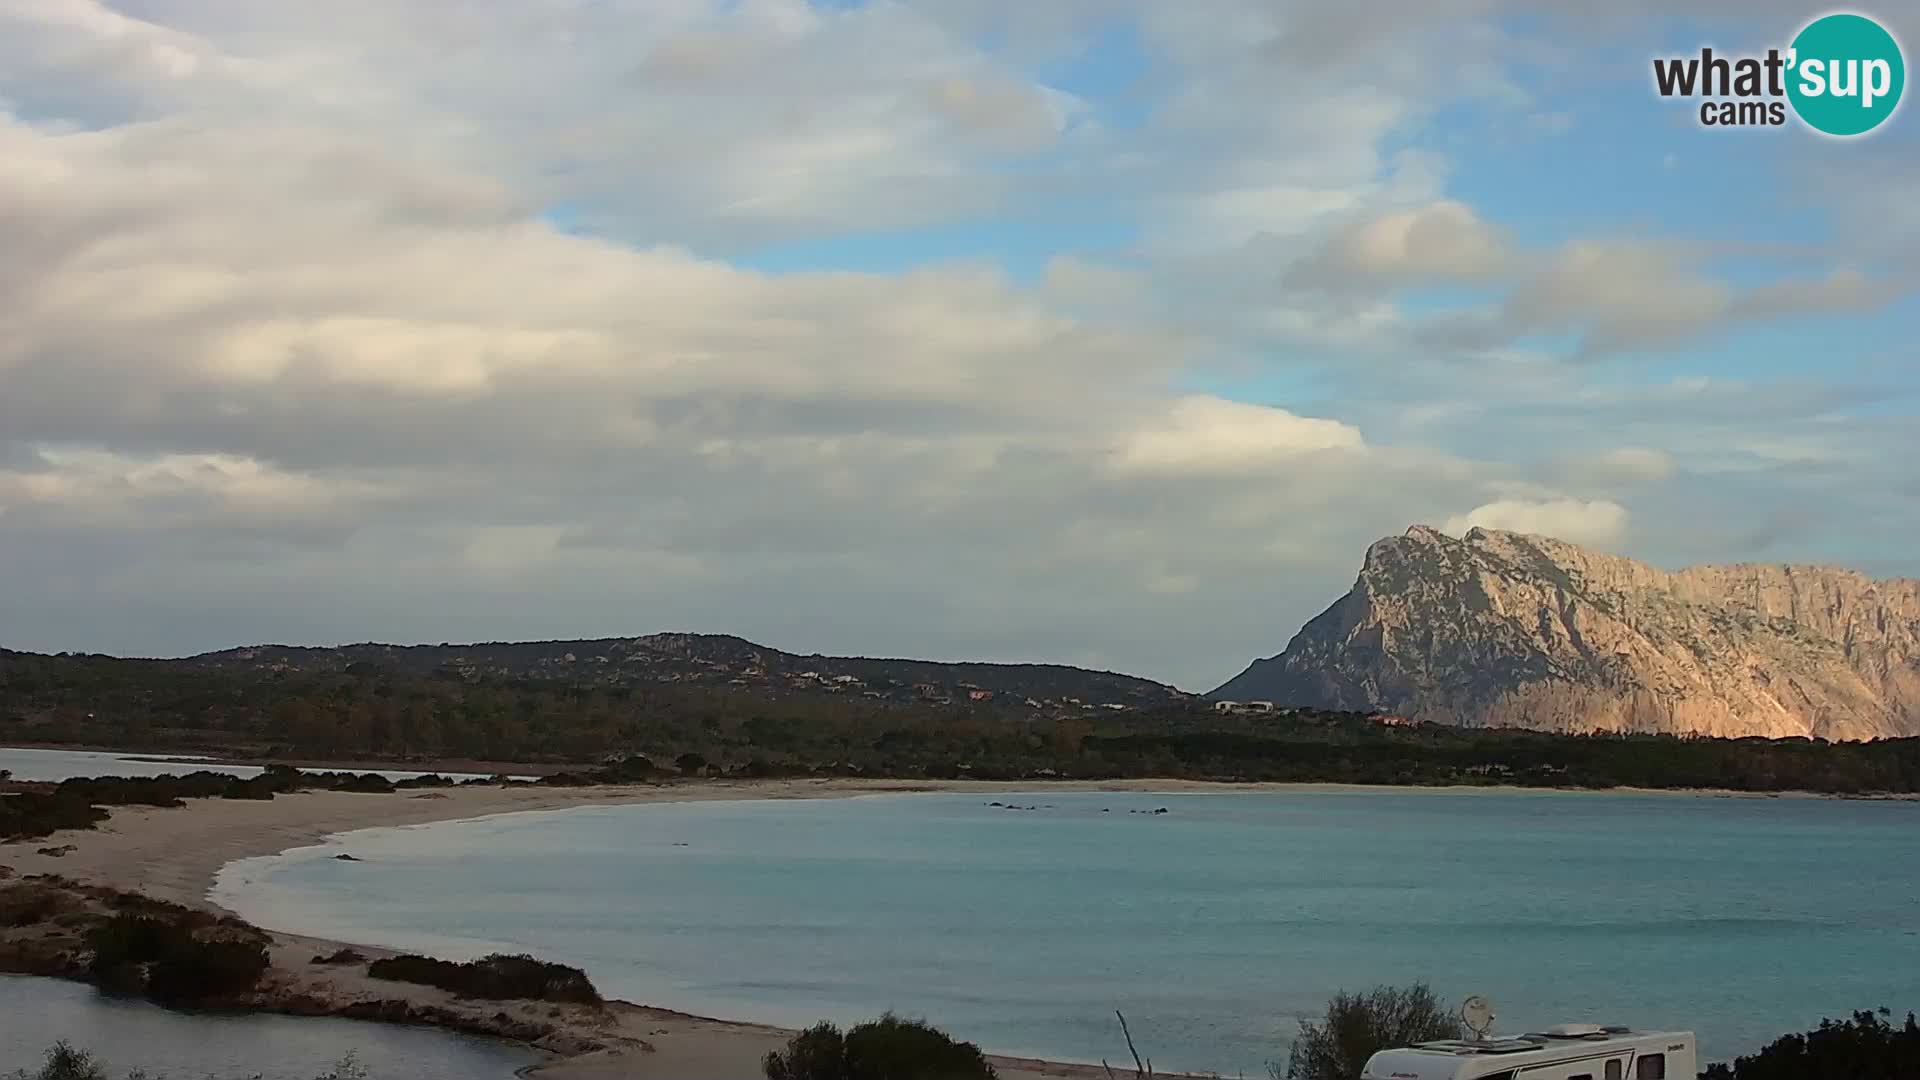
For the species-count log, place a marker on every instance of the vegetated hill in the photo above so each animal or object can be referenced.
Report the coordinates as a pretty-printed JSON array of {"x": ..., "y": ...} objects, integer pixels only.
[
  {"x": 1506, "y": 629},
  {"x": 714, "y": 659}
]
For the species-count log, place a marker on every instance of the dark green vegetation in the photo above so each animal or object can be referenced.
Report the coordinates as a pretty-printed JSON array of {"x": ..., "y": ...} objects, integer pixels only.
[
  {"x": 498, "y": 977},
  {"x": 126, "y": 943},
  {"x": 1867, "y": 1047},
  {"x": 716, "y": 728},
  {"x": 42, "y": 809},
  {"x": 1357, "y": 1026},
  {"x": 885, "y": 1049},
  {"x": 63, "y": 1062},
  {"x": 173, "y": 962}
]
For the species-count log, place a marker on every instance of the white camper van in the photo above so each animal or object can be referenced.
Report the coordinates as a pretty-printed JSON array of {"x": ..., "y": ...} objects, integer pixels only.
[{"x": 1566, "y": 1052}]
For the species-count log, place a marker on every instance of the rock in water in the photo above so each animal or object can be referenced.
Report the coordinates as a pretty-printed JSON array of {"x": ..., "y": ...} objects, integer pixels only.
[{"x": 1506, "y": 629}]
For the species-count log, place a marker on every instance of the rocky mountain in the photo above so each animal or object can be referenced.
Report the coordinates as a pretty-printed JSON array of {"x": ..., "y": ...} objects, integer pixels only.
[{"x": 1506, "y": 629}]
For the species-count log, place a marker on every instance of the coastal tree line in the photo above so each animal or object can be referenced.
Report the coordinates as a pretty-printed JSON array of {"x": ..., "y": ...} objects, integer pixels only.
[{"x": 378, "y": 715}]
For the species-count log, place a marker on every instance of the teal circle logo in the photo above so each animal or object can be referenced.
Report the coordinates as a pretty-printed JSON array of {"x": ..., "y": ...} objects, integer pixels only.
[{"x": 1846, "y": 74}]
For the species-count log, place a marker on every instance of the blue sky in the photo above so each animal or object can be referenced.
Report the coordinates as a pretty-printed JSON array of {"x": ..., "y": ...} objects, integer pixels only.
[{"x": 1100, "y": 332}]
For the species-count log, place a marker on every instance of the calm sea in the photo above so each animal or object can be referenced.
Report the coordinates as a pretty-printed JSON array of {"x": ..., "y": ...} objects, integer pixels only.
[
  {"x": 1213, "y": 926},
  {"x": 128, "y": 1035}
]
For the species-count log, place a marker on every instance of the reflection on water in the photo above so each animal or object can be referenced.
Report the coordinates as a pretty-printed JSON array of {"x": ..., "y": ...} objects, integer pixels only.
[{"x": 126, "y": 1035}]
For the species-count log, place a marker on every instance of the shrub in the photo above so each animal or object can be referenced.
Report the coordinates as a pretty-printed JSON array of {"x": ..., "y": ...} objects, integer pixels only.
[
  {"x": 885, "y": 1049},
  {"x": 29, "y": 815},
  {"x": 170, "y": 963},
  {"x": 425, "y": 780},
  {"x": 563, "y": 779},
  {"x": 27, "y": 903},
  {"x": 629, "y": 768},
  {"x": 260, "y": 787},
  {"x": 193, "y": 969},
  {"x": 498, "y": 977},
  {"x": 1359, "y": 1025},
  {"x": 366, "y": 783},
  {"x": 65, "y": 1063},
  {"x": 1867, "y": 1047}
]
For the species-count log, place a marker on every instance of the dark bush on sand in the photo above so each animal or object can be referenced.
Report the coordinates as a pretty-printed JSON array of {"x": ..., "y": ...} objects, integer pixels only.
[
  {"x": 497, "y": 977},
  {"x": 1867, "y": 1047},
  {"x": 1359, "y": 1025},
  {"x": 29, "y": 815},
  {"x": 172, "y": 962},
  {"x": 885, "y": 1049}
]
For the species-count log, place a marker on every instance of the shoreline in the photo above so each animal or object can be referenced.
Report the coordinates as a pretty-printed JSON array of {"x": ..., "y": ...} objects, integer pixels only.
[
  {"x": 213, "y": 759},
  {"x": 177, "y": 855}
]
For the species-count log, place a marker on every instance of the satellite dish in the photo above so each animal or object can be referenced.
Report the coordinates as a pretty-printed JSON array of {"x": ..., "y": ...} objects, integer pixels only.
[{"x": 1477, "y": 1013}]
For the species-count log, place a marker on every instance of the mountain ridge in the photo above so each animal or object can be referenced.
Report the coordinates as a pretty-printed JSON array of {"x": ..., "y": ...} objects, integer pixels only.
[
  {"x": 690, "y": 657},
  {"x": 1511, "y": 629}
]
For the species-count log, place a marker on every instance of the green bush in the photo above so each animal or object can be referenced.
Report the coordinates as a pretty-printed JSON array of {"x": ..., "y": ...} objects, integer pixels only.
[
  {"x": 1359, "y": 1025},
  {"x": 498, "y": 977},
  {"x": 1867, "y": 1047},
  {"x": 629, "y": 768},
  {"x": 366, "y": 783},
  {"x": 170, "y": 963},
  {"x": 885, "y": 1049},
  {"x": 65, "y": 1063},
  {"x": 193, "y": 969},
  {"x": 30, "y": 816}
]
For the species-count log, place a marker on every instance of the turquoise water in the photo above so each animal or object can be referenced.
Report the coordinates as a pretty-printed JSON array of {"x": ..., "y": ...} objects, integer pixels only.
[
  {"x": 128, "y": 1035},
  {"x": 1213, "y": 926}
]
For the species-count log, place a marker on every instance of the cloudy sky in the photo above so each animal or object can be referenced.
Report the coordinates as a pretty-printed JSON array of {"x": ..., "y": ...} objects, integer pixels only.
[{"x": 1107, "y": 332}]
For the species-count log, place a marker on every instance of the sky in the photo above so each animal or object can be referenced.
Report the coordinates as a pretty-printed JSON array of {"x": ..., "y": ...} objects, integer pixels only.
[{"x": 1103, "y": 332}]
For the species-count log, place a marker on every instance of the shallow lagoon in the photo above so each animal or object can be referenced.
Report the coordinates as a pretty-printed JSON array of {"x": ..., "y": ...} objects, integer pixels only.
[{"x": 127, "y": 1035}]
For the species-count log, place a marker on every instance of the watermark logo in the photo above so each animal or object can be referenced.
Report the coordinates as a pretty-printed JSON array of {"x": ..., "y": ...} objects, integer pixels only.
[{"x": 1841, "y": 75}]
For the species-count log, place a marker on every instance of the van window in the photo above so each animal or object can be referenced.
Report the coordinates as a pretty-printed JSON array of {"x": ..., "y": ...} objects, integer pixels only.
[
  {"x": 1614, "y": 1069},
  {"x": 1651, "y": 1067},
  {"x": 1581, "y": 1076}
]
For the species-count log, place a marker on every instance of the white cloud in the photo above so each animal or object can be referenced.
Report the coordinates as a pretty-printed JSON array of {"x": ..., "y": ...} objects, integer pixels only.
[
  {"x": 1439, "y": 243},
  {"x": 315, "y": 323},
  {"x": 1210, "y": 435},
  {"x": 1622, "y": 465},
  {"x": 1597, "y": 521},
  {"x": 420, "y": 405}
]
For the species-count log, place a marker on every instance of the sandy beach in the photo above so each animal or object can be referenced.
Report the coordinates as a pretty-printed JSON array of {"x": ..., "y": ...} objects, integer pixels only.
[{"x": 174, "y": 854}]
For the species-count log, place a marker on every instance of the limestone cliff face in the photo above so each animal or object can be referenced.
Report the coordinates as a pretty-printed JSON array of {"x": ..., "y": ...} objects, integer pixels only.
[{"x": 1506, "y": 629}]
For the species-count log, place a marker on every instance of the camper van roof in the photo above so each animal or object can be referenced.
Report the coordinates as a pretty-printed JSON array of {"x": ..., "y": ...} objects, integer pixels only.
[{"x": 1464, "y": 1059}]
